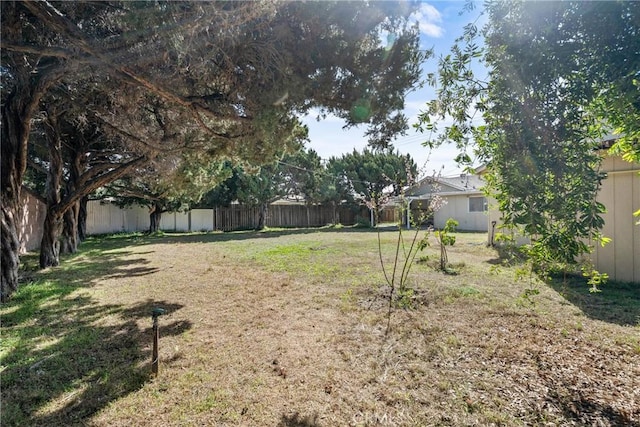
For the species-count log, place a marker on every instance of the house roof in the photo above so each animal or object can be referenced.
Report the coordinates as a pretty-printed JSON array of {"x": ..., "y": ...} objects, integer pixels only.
[
  {"x": 463, "y": 182},
  {"x": 607, "y": 142},
  {"x": 459, "y": 184}
]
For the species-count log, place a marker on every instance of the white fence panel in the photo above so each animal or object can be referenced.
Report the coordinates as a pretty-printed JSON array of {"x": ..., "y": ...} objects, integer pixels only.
[
  {"x": 168, "y": 221},
  {"x": 136, "y": 218},
  {"x": 202, "y": 220},
  {"x": 182, "y": 221},
  {"x": 105, "y": 217}
]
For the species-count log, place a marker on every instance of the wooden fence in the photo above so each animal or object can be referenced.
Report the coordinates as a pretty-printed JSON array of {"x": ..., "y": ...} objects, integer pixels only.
[
  {"x": 103, "y": 218},
  {"x": 30, "y": 218}
]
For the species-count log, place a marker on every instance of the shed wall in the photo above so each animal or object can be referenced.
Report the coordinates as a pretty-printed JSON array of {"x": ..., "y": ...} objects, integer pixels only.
[{"x": 620, "y": 194}]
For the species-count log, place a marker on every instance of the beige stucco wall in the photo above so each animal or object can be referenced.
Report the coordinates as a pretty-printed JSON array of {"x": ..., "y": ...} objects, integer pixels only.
[
  {"x": 457, "y": 207},
  {"x": 494, "y": 214}
]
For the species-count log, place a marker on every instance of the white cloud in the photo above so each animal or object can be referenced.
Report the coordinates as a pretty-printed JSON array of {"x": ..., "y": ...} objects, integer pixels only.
[{"x": 429, "y": 20}]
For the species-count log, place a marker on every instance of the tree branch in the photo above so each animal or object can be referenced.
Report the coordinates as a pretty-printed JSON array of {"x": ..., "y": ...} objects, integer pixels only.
[
  {"x": 98, "y": 182},
  {"x": 61, "y": 24},
  {"x": 57, "y": 52}
]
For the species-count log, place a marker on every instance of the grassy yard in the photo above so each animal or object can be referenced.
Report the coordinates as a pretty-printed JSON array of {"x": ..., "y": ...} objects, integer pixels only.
[{"x": 287, "y": 328}]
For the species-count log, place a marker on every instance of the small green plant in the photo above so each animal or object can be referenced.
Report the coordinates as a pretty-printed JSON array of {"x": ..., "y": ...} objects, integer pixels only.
[
  {"x": 423, "y": 259},
  {"x": 527, "y": 297},
  {"x": 444, "y": 239},
  {"x": 406, "y": 298},
  {"x": 347, "y": 299},
  {"x": 596, "y": 279}
]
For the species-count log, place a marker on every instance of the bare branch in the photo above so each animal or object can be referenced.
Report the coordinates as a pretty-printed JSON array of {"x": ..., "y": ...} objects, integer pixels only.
[
  {"x": 97, "y": 182},
  {"x": 57, "y": 52}
]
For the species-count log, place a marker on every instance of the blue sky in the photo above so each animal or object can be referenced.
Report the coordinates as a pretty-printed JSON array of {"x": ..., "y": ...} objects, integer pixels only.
[{"x": 440, "y": 24}]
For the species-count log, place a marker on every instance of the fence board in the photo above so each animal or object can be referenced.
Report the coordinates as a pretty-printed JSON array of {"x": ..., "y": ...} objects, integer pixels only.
[
  {"x": 31, "y": 218},
  {"x": 202, "y": 220}
]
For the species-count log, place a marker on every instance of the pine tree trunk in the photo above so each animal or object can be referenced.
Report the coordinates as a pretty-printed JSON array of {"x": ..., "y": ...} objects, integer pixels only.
[
  {"x": 52, "y": 228},
  {"x": 50, "y": 245},
  {"x": 10, "y": 250},
  {"x": 15, "y": 134},
  {"x": 70, "y": 232},
  {"x": 70, "y": 236},
  {"x": 262, "y": 216},
  {"x": 17, "y": 111}
]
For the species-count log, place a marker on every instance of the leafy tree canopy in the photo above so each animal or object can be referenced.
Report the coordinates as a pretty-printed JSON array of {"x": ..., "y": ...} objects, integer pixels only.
[
  {"x": 227, "y": 78},
  {"x": 373, "y": 176},
  {"x": 562, "y": 75}
]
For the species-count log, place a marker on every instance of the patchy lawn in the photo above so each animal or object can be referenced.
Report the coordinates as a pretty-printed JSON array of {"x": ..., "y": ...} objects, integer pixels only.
[{"x": 287, "y": 328}]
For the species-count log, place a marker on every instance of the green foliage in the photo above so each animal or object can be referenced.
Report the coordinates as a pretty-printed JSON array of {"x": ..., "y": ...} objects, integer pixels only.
[
  {"x": 225, "y": 192},
  {"x": 527, "y": 297},
  {"x": 465, "y": 291},
  {"x": 444, "y": 236},
  {"x": 170, "y": 185},
  {"x": 212, "y": 81},
  {"x": 596, "y": 279},
  {"x": 445, "y": 239},
  {"x": 546, "y": 105},
  {"x": 374, "y": 176},
  {"x": 406, "y": 297},
  {"x": 261, "y": 187},
  {"x": 362, "y": 222}
]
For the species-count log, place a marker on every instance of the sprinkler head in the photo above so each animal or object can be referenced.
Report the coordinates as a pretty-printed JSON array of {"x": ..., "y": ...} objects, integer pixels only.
[{"x": 158, "y": 311}]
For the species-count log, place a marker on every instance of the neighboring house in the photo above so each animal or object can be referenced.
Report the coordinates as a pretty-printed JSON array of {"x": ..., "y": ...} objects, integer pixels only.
[
  {"x": 464, "y": 201},
  {"x": 620, "y": 194}
]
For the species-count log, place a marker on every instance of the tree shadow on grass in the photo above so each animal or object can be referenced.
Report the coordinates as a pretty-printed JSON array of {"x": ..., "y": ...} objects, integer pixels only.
[
  {"x": 507, "y": 255},
  {"x": 618, "y": 302},
  {"x": 86, "y": 267},
  {"x": 218, "y": 236},
  {"x": 581, "y": 408},
  {"x": 297, "y": 420},
  {"x": 66, "y": 356}
]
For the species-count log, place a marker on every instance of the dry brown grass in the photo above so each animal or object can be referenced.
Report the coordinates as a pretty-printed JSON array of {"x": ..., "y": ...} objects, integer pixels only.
[{"x": 288, "y": 329}]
